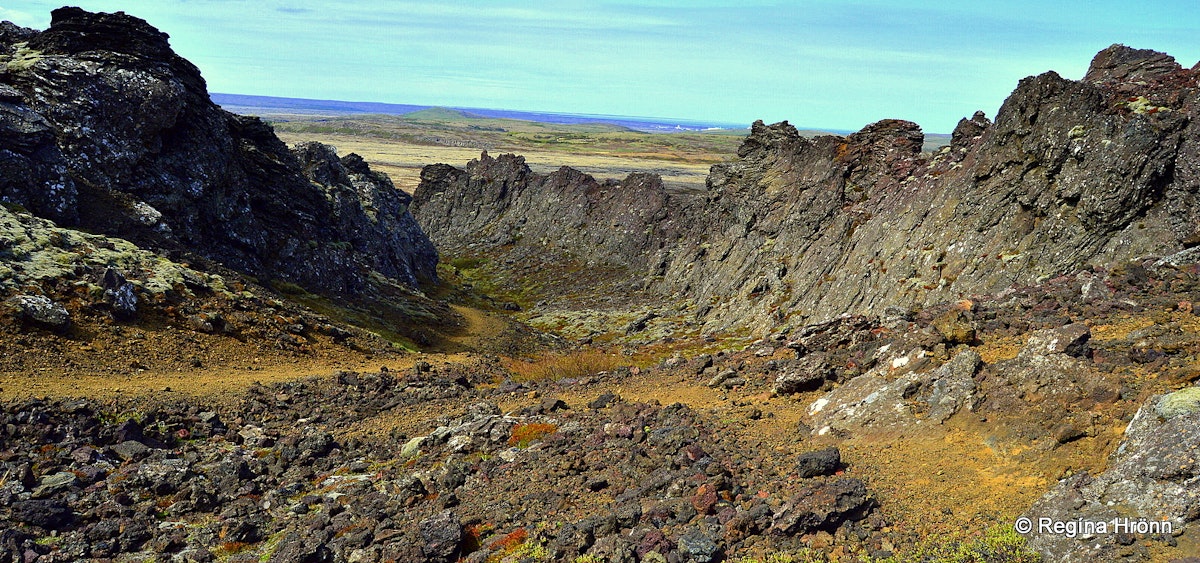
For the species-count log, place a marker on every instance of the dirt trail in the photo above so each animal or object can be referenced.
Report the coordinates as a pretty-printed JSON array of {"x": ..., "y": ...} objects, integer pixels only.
[{"x": 481, "y": 328}]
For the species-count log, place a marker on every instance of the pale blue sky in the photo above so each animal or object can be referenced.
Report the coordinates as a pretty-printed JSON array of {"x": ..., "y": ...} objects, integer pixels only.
[{"x": 838, "y": 65}]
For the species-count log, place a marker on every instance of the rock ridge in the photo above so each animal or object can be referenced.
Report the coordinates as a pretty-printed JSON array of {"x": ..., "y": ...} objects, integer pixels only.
[{"x": 1071, "y": 175}]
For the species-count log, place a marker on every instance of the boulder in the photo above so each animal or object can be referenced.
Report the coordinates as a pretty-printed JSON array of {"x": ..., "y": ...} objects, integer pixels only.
[
  {"x": 819, "y": 462},
  {"x": 874, "y": 401},
  {"x": 441, "y": 536},
  {"x": 1151, "y": 477},
  {"x": 39, "y": 310},
  {"x": 823, "y": 506}
]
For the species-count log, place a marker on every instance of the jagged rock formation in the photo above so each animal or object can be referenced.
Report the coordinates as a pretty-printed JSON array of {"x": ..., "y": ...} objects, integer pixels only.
[
  {"x": 566, "y": 213},
  {"x": 104, "y": 127},
  {"x": 1072, "y": 174}
]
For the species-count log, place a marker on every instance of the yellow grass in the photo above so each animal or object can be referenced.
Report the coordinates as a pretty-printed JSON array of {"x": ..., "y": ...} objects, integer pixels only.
[{"x": 551, "y": 366}]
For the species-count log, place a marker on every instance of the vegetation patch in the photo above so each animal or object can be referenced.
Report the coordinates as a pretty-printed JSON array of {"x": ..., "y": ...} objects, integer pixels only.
[
  {"x": 528, "y": 433},
  {"x": 1000, "y": 544},
  {"x": 554, "y": 366}
]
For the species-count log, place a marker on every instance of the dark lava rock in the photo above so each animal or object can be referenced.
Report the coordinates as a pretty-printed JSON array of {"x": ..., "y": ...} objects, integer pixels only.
[
  {"x": 441, "y": 535},
  {"x": 107, "y": 129},
  {"x": 819, "y": 462},
  {"x": 52, "y": 514},
  {"x": 119, "y": 294},
  {"x": 297, "y": 548},
  {"x": 1087, "y": 173},
  {"x": 823, "y": 506},
  {"x": 1119, "y": 63},
  {"x": 603, "y": 401}
]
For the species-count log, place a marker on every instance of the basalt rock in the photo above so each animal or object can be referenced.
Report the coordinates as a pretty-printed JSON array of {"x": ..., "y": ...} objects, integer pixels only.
[
  {"x": 500, "y": 202},
  {"x": 1071, "y": 175},
  {"x": 1147, "y": 494},
  {"x": 104, "y": 127}
]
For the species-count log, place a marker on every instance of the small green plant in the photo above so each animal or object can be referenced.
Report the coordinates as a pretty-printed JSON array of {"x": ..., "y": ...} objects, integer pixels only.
[
  {"x": 999, "y": 544},
  {"x": 803, "y": 556},
  {"x": 288, "y": 288},
  {"x": 467, "y": 262},
  {"x": 14, "y": 207}
]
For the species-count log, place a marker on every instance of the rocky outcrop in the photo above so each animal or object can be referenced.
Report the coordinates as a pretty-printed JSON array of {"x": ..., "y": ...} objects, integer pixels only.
[
  {"x": 1071, "y": 174},
  {"x": 497, "y": 203},
  {"x": 1146, "y": 496},
  {"x": 103, "y": 127}
]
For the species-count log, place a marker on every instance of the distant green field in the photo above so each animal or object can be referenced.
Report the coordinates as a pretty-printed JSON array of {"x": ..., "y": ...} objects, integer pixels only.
[{"x": 453, "y": 128}]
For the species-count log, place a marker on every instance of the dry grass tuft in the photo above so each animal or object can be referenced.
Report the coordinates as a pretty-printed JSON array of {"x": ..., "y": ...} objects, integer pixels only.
[
  {"x": 553, "y": 366},
  {"x": 525, "y": 434}
]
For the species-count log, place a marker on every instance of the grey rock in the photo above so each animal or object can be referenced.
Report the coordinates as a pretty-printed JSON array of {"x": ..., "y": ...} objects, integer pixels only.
[
  {"x": 613, "y": 549},
  {"x": 441, "y": 536},
  {"x": 41, "y": 311},
  {"x": 1151, "y": 475},
  {"x": 806, "y": 374},
  {"x": 1071, "y": 340},
  {"x": 130, "y": 450},
  {"x": 48, "y": 485},
  {"x": 297, "y": 548},
  {"x": 719, "y": 379},
  {"x": 873, "y": 400},
  {"x": 733, "y": 382},
  {"x": 1180, "y": 403},
  {"x": 697, "y": 547}
]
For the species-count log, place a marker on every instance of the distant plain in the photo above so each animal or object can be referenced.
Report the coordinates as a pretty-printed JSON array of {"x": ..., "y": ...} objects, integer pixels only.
[{"x": 400, "y": 145}]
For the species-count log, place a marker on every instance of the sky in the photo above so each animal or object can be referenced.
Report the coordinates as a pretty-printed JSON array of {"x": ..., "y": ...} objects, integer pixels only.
[{"x": 819, "y": 64}]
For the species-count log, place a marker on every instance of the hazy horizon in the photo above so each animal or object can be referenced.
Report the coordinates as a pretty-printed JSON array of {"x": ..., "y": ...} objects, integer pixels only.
[{"x": 822, "y": 64}]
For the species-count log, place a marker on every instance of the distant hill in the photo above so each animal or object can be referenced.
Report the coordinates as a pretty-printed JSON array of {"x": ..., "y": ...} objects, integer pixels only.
[
  {"x": 440, "y": 114},
  {"x": 263, "y": 105},
  {"x": 231, "y": 101}
]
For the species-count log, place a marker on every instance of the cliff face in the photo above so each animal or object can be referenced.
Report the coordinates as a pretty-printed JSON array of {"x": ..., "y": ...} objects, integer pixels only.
[
  {"x": 499, "y": 203},
  {"x": 104, "y": 127},
  {"x": 1072, "y": 174}
]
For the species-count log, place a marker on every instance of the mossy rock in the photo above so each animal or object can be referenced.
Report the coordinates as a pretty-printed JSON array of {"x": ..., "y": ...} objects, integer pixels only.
[{"x": 1179, "y": 403}]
